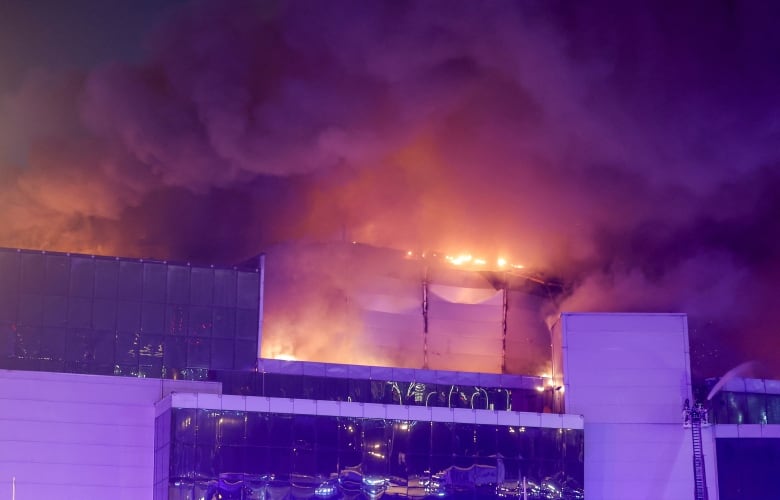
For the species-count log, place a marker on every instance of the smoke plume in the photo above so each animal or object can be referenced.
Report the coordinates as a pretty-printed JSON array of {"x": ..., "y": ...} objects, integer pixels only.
[{"x": 629, "y": 150}]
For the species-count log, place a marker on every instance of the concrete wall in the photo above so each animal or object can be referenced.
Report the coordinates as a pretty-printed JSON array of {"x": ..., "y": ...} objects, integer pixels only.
[
  {"x": 629, "y": 375},
  {"x": 69, "y": 436}
]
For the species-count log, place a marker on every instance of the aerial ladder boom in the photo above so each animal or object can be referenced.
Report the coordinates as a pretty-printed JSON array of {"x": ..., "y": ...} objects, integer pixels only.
[{"x": 694, "y": 417}]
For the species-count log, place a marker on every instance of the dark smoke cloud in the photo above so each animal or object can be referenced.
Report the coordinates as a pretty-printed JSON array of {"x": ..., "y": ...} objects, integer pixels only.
[{"x": 628, "y": 148}]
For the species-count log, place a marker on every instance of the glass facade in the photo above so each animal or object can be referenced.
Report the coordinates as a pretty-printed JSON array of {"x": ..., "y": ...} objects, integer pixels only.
[
  {"x": 747, "y": 468},
  {"x": 728, "y": 407},
  {"x": 381, "y": 391},
  {"x": 112, "y": 316},
  {"x": 205, "y": 454}
]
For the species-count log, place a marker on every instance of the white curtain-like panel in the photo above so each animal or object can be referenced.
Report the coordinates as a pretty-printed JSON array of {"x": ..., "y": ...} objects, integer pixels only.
[
  {"x": 388, "y": 303},
  {"x": 447, "y": 344},
  {"x": 465, "y": 328},
  {"x": 463, "y": 295},
  {"x": 473, "y": 363}
]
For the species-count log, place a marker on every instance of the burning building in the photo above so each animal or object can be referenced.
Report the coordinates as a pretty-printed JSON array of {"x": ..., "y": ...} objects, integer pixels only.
[
  {"x": 359, "y": 304},
  {"x": 362, "y": 373}
]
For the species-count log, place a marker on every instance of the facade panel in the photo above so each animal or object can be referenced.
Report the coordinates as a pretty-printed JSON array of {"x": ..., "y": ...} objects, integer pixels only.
[
  {"x": 249, "y": 454},
  {"x": 106, "y": 315}
]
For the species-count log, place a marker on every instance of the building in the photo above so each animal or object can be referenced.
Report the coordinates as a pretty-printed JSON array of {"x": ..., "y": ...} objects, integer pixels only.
[{"x": 124, "y": 378}]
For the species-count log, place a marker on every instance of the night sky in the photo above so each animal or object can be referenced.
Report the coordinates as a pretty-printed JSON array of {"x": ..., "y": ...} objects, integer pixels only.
[{"x": 629, "y": 149}]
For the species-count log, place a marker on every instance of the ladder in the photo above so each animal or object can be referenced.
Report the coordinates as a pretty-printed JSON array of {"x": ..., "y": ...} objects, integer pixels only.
[{"x": 697, "y": 415}]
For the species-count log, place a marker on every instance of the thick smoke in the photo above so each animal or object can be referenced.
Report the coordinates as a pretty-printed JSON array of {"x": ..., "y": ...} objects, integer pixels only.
[{"x": 629, "y": 150}]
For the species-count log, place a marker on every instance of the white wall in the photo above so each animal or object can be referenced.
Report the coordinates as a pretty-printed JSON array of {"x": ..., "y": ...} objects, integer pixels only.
[
  {"x": 69, "y": 436},
  {"x": 629, "y": 375}
]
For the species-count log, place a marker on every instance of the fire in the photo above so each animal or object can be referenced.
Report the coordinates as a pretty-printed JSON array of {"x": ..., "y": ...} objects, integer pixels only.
[
  {"x": 460, "y": 259},
  {"x": 465, "y": 260},
  {"x": 468, "y": 260}
]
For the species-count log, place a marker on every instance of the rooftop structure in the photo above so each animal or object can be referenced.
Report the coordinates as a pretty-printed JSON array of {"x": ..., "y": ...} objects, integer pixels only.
[{"x": 127, "y": 378}]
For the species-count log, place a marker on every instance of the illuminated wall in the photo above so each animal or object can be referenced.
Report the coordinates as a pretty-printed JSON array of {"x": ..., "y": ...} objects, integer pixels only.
[
  {"x": 629, "y": 375},
  {"x": 77, "y": 436}
]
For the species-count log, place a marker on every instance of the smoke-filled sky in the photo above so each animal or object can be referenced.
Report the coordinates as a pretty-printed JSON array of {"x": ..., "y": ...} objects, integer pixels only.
[{"x": 629, "y": 148}]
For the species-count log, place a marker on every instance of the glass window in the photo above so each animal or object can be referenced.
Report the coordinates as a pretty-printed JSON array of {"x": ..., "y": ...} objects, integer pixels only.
[
  {"x": 175, "y": 352},
  {"x": 773, "y": 408},
  {"x": 441, "y": 438},
  {"x": 131, "y": 280},
  {"x": 106, "y": 279},
  {"x": 464, "y": 440},
  {"x": 207, "y": 421},
  {"x": 150, "y": 351},
  {"x": 231, "y": 428},
  {"x": 257, "y": 429},
  {"x": 150, "y": 370},
  {"x": 202, "y": 286},
  {"x": 126, "y": 348},
  {"x": 224, "y": 287},
  {"x": 376, "y": 447},
  {"x": 128, "y": 316},
  {"x": 9, "y": 298},
  {"x": 246, "y": 323},
  {"x": 281, "y": 430},
  {"x": 282, "y": 386},
  {"x": 206, "y": 460},
  {"x": 248, "y": 288},
  {"x": 82, "y": 277},
  {"x": 359, "y": 390},
  {"x": 224, "y": 323},
  {"x": 719, "y": 410},
  {"x": 178, "y": 284},
  {"x": 182, "y": 460},
  {"x": 154, "y": 287},
  {"x": 756, "y": 408},
  {"x": 79, "y": 312},
  {"x": 52, "y": 343},
  {"x": 31, "y": 309},
  {"x": 246, "y": 359},
  {"x": 79, "y": 346},
  {"x": 183, "y": 425},
  {"x": 57, "y": 275},
  {"x": 7, "y": 339},
  {"x": 200, "y": 321},
  {"x": 327, "y": 433},
  {"x": 176, "y": 319},
  {"x": 486, "y": 436},
  {"x": 198, "y": 352},
  {"x": 152, "y": 317},
  {"x": 304, "y": 445},
  {"x": 256, "y": 462},
  {"x": 281, "y": 463},
  {"x": 737, "y": 407},
  {"x": 350, "y": 442},
  {"x": 221, "y": 354},
  {"x": 103, "y": 342},
  {"x": 104, "y": 314},
  {"x": 55, "y": 310},
  {"x": 33, "y": 273},
  {"x": 10, "y": 271}
]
